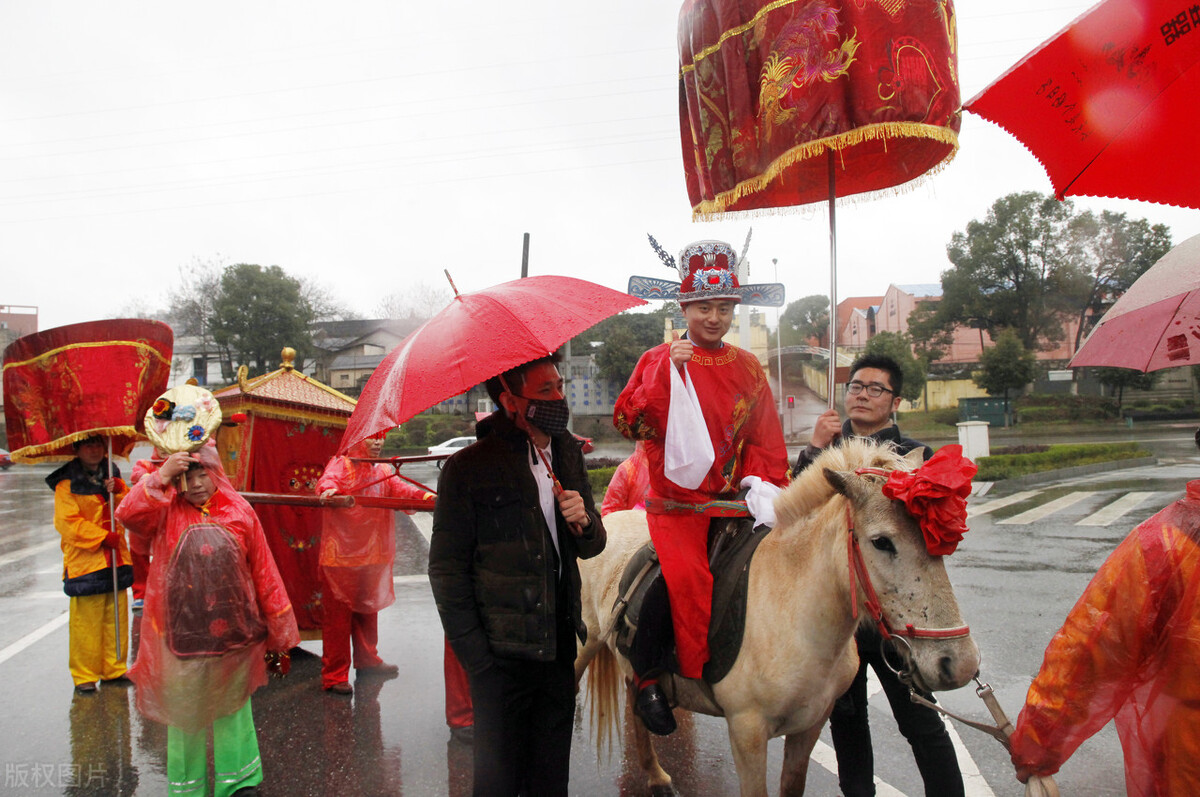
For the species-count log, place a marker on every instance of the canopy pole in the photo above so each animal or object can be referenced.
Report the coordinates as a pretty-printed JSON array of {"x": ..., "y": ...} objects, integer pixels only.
[
  {"x": 832, "y": 275},
  {"x": 116, "y": 557}
]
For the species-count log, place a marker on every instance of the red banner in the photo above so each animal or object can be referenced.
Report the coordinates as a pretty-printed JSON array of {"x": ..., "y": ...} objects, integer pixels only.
[
  {"x": 69, "y": 383},
  {"x": 767, "y": 88}
]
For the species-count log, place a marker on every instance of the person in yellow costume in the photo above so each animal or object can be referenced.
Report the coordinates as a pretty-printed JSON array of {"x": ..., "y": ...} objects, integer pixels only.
[
  {"x": 1128, "y": 651},
  {"x": 82, "y": 489}
]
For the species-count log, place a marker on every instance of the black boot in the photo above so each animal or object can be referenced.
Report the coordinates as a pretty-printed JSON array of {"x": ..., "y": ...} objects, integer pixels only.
[{"x": 654, "y": 709}]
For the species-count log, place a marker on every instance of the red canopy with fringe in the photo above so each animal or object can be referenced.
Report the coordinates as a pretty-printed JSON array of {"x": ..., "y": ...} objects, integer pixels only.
[
  {"x": 767, "y": 87},
  {"x": 70, "y": 383}
]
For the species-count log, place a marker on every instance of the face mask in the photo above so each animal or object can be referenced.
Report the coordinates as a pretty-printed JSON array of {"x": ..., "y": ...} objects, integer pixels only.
[{"x": 549, "y": 416}]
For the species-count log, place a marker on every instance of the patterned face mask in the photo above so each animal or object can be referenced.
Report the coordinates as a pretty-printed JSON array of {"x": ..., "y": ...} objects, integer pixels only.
[{"x": 551, "y": 416}]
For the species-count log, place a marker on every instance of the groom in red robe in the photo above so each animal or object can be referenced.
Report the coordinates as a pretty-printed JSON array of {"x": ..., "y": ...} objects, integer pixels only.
[{"x": 747, "y": 444}]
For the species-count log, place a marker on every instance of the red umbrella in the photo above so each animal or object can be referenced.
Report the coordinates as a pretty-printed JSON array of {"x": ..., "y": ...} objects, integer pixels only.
[
  {"x": 1108, "y": 104},
  {"x": 1156, "y": 323},
  {"x": 476, "y": 337}
]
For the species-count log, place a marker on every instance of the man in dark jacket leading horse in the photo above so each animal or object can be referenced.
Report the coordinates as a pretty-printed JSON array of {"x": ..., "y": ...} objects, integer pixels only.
[
  {"x": 514, "y": 513},
  {"x": 872, "y": 395}
]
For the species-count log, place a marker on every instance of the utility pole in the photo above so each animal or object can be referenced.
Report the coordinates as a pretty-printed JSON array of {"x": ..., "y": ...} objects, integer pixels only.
[{"x": 778, "y": 341}]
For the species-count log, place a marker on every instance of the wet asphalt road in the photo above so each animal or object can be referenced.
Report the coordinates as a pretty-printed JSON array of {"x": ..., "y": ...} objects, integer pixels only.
[{"x": 1015, "y": 583}]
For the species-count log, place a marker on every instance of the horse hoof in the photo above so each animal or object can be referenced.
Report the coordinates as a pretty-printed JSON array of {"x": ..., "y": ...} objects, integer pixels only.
[{"x": 663, "y": 790}]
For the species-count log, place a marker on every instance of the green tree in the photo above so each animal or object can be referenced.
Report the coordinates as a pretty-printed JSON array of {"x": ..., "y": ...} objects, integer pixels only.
[
  {"x": 1112, "y": 252},
  {"x": 619, "y": 341},
  {"x": 1120, "y": 378},
  {"x": 804, "y": 319},
  {"x": 1006, "y": 366},
  {"x": 898, "y": 346},
  {"x": 1013, "y": 270},
  {"x": 257, "y": 312}
]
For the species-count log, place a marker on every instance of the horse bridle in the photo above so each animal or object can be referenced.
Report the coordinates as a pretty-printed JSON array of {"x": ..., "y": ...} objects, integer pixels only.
[{"x": 858, "y": 568}]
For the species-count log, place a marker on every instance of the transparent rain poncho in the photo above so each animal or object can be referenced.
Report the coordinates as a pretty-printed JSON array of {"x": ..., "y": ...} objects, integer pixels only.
[
  {"x": 1128, "y": 651},
  {"x": 201, "y": 655},
  {"x": 358, "y": 543}
]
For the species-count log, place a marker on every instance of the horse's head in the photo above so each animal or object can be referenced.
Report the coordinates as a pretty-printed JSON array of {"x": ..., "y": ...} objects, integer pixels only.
[{"x": 913, "y": 590}]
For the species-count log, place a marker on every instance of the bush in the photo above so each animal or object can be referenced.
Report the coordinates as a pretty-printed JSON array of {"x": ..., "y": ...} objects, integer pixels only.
[
  {"x": 1064, "y": 407},
  {"x": 1020, "y": 450},
  {"x": 1008, "y": 466},
  {"x": 599, "y": 478}
]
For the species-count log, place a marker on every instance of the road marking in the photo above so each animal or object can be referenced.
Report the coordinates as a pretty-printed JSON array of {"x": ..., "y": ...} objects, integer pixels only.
[
  {"x": 24, "y": 553},
  {"x": 974, "y": 784},
  {"x": 1039, "y": 512},
  {"x": 424, "y": 523},
  {"x": 824, "y": 755},
  {"x": 410, "y": 579},
  {"x": 1114, "y": 511},
  {"x": 34, "y": 636},
  {"x": 999, "y": 503}
]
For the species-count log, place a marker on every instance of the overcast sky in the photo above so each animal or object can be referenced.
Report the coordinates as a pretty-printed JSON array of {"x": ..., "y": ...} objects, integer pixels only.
[{"x": 370, "y": 144}]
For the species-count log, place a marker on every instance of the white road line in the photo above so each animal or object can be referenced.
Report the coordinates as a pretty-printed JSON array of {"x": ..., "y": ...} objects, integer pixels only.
[
  {"x": 1114, "y": 511},
  {"x": 974, "y": 784},
  {"x": 424, "y": 523},
  {"x": 824, "y": 755},
  {"x": 410, "y": 579},
  {"x": 34, "y": 636},
  {"x": 32, "y": 550},
  {"x": 1037, "y": 513},
  {"x": 999, "y": 503}
]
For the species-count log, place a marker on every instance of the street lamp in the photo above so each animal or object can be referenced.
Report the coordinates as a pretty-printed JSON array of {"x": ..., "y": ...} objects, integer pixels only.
[{"x": 778, "y": 342}]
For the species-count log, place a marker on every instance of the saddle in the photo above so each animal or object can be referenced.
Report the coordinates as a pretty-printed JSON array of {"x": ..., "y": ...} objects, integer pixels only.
[{"x": 731, "y": 545}]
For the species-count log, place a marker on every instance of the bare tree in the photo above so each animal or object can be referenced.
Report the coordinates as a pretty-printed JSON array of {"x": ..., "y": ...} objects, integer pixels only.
[{"x": 419, "y": 303}]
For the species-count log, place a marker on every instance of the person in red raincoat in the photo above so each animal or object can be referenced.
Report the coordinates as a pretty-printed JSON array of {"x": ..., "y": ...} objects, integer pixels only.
[
  {"x": 630, "y": 483},
  {"x": 747, "y": 444},
  {"x": 215, "y": 607},
  {"x": 1128, "y": 651},
  {"x": 358, "y": 545}
]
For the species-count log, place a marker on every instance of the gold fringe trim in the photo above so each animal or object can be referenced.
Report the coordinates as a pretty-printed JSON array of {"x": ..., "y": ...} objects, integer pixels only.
[
  {"x": 97, "y": 344},
  {"x": 739, "y": 30},
  {"x": 42, "y": 451},
  {"x": 709, "y": 209}
]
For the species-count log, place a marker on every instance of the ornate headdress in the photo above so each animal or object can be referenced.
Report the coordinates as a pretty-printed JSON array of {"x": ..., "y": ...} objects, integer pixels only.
[{"x": 707, "y": 270}]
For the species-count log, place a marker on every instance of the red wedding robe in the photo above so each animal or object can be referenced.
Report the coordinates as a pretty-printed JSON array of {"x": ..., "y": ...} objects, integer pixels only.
[
  {"x": 739, "y": 412},
  {"x": 747, "y": 439},
  {"x": 191, "y": 692}
]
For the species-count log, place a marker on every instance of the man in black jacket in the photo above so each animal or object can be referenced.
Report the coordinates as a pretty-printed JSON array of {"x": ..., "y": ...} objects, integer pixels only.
[
  {"x": 502, "y": 564},
  {"x": 872, "y": 395}
]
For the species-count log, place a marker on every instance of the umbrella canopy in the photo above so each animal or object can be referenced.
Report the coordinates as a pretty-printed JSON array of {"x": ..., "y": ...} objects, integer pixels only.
[
  {"x": 768, "y": 88},
  {"x": 1156, "y": 323},
  {"x": 476, "y": 337},
  {"x": 1108, "y": 104},
  {"x": 69, "y": 383}
]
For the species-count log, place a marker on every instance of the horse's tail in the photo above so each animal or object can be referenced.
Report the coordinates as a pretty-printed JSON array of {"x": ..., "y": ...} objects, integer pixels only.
[{"x": 605, "y": 708}]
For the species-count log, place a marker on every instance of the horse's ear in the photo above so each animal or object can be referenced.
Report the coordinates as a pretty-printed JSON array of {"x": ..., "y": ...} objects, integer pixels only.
[
  {"x": 845, "y": 482},
  {"x": 915, "y": 458}
]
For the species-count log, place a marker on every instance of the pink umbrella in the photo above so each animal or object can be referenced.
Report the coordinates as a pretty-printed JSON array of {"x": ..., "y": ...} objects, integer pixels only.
[
  {"x": 477, "y": 336},
  {"x": 1156, "y": 323}
]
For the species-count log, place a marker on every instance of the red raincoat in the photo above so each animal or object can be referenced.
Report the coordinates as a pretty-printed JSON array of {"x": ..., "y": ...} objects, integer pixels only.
[
  {"x": 358, "y": 543},
  {"x": 190, "y": 689},
  {"x": 1128, "y": 650}
]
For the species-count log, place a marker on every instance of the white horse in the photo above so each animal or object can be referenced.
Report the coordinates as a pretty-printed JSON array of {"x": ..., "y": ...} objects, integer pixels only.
[{"x": 797, "y": 654}]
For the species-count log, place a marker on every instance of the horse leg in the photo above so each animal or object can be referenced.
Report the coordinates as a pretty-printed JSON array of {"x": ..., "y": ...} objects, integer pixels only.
[
  {"x": 657, "y": 777},
  {"x": 797, "y": 747},
  {"x": 748, "y": 738}
]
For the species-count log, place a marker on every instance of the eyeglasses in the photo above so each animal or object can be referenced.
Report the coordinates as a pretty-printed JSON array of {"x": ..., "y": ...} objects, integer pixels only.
[{"x": 874, "y": 391}]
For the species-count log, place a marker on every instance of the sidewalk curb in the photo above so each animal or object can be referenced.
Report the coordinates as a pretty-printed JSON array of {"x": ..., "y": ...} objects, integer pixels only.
[{"x": 1043, "y": 477}]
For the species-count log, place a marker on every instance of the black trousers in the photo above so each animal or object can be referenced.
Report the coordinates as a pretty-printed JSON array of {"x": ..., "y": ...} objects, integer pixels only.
[
  {"x": 524, "y": 716},
  {"x": 921, "y": 726}
]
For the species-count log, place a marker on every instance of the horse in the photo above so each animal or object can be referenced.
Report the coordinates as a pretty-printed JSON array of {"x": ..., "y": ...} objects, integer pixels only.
[{"x": 797, "y": 654}]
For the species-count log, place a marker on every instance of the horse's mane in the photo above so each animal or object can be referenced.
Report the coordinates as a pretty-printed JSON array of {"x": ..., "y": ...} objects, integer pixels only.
[{"x": 811, "y": 490}]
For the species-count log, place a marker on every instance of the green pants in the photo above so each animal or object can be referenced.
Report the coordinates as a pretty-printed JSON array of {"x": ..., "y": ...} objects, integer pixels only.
[{"x": 235, "y": 756}]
